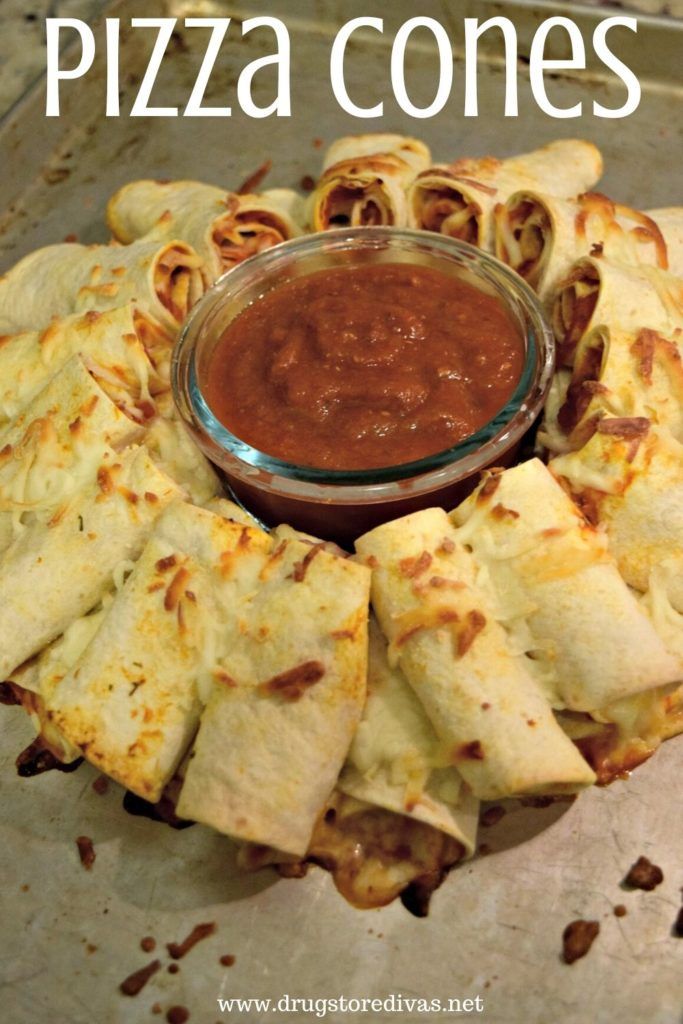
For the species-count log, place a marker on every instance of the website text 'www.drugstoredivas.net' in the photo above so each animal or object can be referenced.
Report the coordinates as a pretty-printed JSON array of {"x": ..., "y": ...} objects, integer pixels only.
[{"x": 403, "y": 1006}]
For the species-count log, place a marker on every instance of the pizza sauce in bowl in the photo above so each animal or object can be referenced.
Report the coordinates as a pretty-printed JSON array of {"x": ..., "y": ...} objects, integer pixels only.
[
  {"x": 346, "y": 378},
  {"x": 361, "y": 367}
]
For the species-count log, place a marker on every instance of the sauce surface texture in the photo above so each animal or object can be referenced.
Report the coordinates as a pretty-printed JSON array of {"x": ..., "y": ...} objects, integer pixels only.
[{"x": 365, "y": 366}]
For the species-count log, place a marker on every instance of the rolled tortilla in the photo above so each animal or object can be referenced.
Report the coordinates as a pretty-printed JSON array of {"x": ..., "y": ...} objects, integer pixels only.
[
  {"x": 126, "y": 355},
  {"x": 356, "y": 147},
  {"x": 541, "y": 236},
  {"x": 364, "y": 181},
  {"x": 131, "y": 701},
  {"x": 38, "y": 678},
  {"x": 598, "y": 292},
  {"x": 70, "y": 561},
  {"x": 396, "y": 760},
  {"x": 445, "y": 633},
  {"x": 623, "y": 374},
  {"x": 54, "y": 448},
  {"x": 222, "y": 227},
  {"x": 628, "y": 479},
  {"x": 590, "y": 641},
  {"x": 459, "y": 199},
  {"x": 288, "y": 695},
  {"x": 162, "y": 278}
]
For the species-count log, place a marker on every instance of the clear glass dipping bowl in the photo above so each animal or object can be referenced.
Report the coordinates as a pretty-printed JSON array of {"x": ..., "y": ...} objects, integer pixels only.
[{"x": 342, "y": 504}]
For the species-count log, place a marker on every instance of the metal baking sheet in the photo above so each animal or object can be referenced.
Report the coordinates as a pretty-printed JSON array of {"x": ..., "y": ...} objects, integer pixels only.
[{"x": 69, "y": 936}]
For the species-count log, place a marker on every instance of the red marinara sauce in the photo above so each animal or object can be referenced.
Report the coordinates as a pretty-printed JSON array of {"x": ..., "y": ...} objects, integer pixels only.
[{"x": 362, "y": 367}]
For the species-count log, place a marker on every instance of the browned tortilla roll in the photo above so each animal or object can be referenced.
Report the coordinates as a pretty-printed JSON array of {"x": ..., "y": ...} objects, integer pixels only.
[
  {"x": 54, "y": 447},
  {"x": 396, "y": 760},
  {"x": 222, "y": 227},
  {"x": 459, "y": 199},
  {"x": 162, "y": 279},
  {"x": 128, "y": 356},
  {"x": 37, "y": 679},
  {"x": 441, "y": 617},
  {"x": 628, "y": 479},
  {"x": 624, "y": 374},
  {"x": 598, "y": 292},
  {"x": 364, "y": 181},
  {"x": 130, "y": 701},
  {"x": 287, "y": 691},
  {"x": 557, "y": 582},
  {"x": 541, "y": 236},
  {"x": 55, "y": 571}
]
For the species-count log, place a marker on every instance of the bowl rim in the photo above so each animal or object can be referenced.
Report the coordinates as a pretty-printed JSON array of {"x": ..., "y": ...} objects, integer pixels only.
[{"x": 431, "y": 472}]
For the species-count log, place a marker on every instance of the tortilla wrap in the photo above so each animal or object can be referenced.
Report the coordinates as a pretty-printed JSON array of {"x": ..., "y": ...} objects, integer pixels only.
[
  {"x": 162, "y": 278},
  {"x": 590, "y": 641},
  {"x": 39, "y": 676},
  {"x": 131, "y": 701},
  {"x": 70, "y": 561},
  {"x": 624, "y": 374},
  {"x": 459, "y": 199},
  {"x": 288, "y": 693},
  {"x": 129, "y": 362},
  {"x": 444, "y": 630},
  {"x": 541, "y": 236},
  {"x": 396, "y": 761},
  {"x": 222, "y": 227},
  {"x": 54, "y": 447},
  {"x": 628, "y": 479},
  {"x": 598, "y": 292},
  {"x": 364, "y": 181}
]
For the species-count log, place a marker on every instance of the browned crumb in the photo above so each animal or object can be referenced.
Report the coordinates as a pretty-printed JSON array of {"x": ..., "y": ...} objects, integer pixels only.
[
  {"x": 101, "y": 785},
  {"x": 90, "y": 948},
  {"x": 678, "y": 925},
  {"x": 177, "y": 1015},
  {"x": 307, "y": 183},
  {"x": 201, "y": 931},
  {"x": 644, "y": 875},
  {"x": 25, "y": 887},
  {"x": 620, "y": 910},
  {"x": 148, "y": 944},
  {"x": 156, "y": 1007},
  {"x": 227, "y": 960},
  {"x": 492, "y": 815},
  {"x": 86, "y": 851},
  {"x": 136, "y": 981},
  {"x": 173, "y": 968},
  {"x": 577, "y": 939}
]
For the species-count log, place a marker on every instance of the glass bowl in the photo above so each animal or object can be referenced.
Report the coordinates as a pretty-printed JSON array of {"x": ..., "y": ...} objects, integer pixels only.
[{"x": 342, "y": 504}]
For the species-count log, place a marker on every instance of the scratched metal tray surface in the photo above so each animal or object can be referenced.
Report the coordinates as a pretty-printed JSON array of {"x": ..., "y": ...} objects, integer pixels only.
[{"x": 69, "y": 936}]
